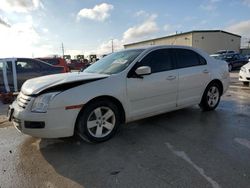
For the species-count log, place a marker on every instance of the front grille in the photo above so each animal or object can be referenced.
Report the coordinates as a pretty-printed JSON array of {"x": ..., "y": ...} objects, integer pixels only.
[{"x": 23, "y": 100}]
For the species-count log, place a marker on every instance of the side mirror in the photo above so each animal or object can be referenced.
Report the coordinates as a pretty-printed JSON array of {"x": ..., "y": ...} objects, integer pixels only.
[{"x": 144, "y": 70}]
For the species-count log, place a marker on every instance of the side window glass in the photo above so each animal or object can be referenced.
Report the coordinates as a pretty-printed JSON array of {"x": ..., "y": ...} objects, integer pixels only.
[
  {"x": 26, "y": 66},
  {"x": 9, "y": 66},
  {"x": 202, "y": 60},
  {"x": 159, "y": 60},
  {"x": 188, "y": 58},
  {"x": 42, "y": 65}
]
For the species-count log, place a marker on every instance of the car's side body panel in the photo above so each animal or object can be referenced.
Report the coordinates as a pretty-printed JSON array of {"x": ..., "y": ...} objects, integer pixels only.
[{"x": 153, "y": 93}]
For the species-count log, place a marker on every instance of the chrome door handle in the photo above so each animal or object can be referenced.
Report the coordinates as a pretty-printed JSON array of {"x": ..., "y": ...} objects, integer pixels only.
[
  {"x": 171, "y": 77},
  {"x": 205, "y": 71}
]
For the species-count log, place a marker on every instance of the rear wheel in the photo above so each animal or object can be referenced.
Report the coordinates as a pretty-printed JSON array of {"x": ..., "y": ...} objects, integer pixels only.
[
  {"x": 99, "y": 121},
  {"x": 211, "y": 97}
]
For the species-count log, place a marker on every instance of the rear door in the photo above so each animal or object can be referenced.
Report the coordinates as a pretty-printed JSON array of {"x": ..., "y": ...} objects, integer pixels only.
[
  {"x": 193, "y": 75},
  {"x": 26, "y": 69}
]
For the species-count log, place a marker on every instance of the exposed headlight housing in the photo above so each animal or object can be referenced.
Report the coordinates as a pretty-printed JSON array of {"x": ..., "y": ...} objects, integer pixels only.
[
  {"x": 243, "y": 69},
  {"x": 41, "y": 103}
]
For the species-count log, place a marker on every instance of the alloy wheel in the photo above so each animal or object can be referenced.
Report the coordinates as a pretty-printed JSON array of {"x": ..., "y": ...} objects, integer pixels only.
[
  {"x": 213, "y": 96},
  {"x": 101, "y": 122}
]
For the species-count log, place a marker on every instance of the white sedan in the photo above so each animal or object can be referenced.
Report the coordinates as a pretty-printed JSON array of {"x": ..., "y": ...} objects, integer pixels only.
[
  {"x": 244, "y": 75},
  {"x": 122, "y": 87}
]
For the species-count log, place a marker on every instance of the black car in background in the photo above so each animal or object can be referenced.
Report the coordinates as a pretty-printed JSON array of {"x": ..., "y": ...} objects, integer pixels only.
[
  {"x": 234, "y": 61},
  {"x": 24, "y": 69}
]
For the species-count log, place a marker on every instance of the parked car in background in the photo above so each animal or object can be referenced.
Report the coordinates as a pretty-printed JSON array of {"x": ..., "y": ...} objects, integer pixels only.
[
  {"x": 122, "y": 87},
  {"x": 15, "y": 71},
  {"x": 76, "y": 65},
  {"x": 248, "y": 57},
  {"x": 234, "y": 60},
  {"x": 220, "y": 53},
  {"x": 244, "y": 75},
  {"x": 223, "y": 52},
  {"x": 56, "y": 61}
]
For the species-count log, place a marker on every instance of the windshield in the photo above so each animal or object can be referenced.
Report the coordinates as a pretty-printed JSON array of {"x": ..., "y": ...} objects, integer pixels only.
[{"x": 114, "y": 63}]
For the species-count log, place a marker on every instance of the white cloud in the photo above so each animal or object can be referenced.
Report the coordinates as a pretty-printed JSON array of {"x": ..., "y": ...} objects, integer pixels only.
[
  {"x": 148, "y": 27},
  {"x": 45, "y": 30},
  {"x": 240, "y": 28},
  {"x": 99, "y": 12},
  {"x": 142, "y": 13},
  {"x": 23, "y": 6},
  {"x": 209, "y": 5},
  {"x": 4, "y": 22},
  {"x": 106, "y": 47},
  {"x": 141, "y": 31},
  {"x": 22, "y": 40}
]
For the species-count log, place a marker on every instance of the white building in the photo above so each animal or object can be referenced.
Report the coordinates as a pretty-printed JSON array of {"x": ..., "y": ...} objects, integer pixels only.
[{"x": 210, "y": 41}]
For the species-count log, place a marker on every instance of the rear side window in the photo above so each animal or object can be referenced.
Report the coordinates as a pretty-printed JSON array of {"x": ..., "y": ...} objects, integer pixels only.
[
  {"x": 9, "y": 67},
  {"x": 158, "y": 60},
  {"x": 25, "y": 65},
  {"x": 189, "y": 58}
]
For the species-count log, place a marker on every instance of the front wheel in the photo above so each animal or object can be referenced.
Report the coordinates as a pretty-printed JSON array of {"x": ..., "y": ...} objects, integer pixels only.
[
  {"x": 99, "y": 121},
  {"x": 211, "y": 97}
]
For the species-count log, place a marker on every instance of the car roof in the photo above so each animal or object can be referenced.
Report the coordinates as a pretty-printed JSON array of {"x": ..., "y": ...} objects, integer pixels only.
[{"x": 161, "y": 46}]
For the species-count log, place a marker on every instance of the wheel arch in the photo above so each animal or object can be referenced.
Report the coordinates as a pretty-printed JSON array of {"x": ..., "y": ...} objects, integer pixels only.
[
  {"x": 217, "y": 81},
  {"x": 105, "y": 97}
]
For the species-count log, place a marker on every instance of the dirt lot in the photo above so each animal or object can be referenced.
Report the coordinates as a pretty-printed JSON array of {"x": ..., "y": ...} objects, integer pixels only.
[{"x": 185, "y": 148}]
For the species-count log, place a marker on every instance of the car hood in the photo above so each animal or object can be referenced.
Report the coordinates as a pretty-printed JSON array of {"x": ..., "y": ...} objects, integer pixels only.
[{"x": 58, "y": 82}]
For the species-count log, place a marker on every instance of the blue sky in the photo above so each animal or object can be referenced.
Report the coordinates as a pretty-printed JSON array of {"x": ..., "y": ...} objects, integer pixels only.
[{"x": 38, "y": 27}]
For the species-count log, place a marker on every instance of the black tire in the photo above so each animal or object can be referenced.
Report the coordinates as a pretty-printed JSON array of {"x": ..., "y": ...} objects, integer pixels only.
[
  {"x": 246, "y": 83},
  {"x": 82, "y": 129},
  {"x": 205, "y": 103},
  {"x": 230, "y": 67}
]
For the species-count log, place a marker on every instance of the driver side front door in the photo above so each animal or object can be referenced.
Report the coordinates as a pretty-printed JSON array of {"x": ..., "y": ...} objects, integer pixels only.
[{"x": 157, "y": 92}]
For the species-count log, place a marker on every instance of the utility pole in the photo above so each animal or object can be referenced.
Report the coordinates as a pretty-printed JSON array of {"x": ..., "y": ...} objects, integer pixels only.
[
  {"x": 62, "y": 50},
  {"x": 112, "y": 43}
]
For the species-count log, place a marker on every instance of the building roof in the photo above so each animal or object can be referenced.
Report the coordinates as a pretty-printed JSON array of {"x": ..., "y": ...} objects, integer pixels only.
[{"x": 189, "y": 32}]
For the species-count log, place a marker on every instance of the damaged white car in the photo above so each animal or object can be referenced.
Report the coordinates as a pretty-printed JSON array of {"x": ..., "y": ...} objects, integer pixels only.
[{"x": 122, "y": 87}]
